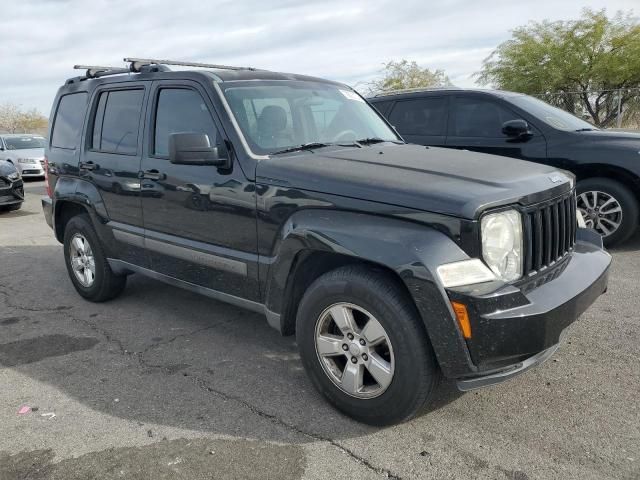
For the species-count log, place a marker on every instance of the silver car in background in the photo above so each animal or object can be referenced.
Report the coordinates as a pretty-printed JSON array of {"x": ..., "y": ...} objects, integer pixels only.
[{"x": 25, "y": 151}]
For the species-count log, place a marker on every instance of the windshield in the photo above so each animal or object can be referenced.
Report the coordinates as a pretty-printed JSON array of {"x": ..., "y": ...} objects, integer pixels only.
[
  {"x": 23, "y": 143},
  {"x": 552, "y": 116},
  {"x": 278, "y": 115}
]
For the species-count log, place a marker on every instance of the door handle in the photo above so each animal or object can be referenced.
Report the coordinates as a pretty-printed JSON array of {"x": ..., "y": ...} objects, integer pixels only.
[
  {"x": 88, "y": 166},
  {"x": 153, "y": 175}
]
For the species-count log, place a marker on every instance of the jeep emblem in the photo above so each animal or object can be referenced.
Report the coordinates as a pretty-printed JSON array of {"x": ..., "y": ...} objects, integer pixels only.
[{"x": 555, "y": 178}]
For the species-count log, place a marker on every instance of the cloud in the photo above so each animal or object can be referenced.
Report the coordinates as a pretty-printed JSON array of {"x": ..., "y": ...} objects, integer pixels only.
[{"x": 343, "y": 40}]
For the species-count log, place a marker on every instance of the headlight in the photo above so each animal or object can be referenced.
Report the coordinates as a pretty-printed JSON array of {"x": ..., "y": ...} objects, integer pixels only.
[
  {"x": 13, "y": 176},
  {"x": 26, "y": 160},
  {"x": 502, "y": 244}
]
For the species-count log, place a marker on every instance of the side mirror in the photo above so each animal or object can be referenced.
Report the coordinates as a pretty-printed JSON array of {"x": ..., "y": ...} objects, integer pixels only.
[
  {"x": 196, "y": 149},
  {"x": 517, "y": 129}
]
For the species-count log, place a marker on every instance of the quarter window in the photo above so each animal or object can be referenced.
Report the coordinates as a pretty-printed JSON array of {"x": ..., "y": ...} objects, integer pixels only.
[
  {"x": 476, "y": 117},
  {"x": 181, "y": 110},
  {"x": 423, "y": 116},
  {"x": 68, "y": 121},
  {"x": 117, "y": 120}
]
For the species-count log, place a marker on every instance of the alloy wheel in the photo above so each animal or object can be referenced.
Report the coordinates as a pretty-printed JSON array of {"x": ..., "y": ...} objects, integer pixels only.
[
  {"x": 354, "y": 350},
  {"x": 601, "y": 211},
  {"x": 82, "y": 261}
]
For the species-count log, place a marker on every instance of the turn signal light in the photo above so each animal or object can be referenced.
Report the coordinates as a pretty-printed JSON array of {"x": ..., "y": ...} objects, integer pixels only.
[{"x": 460, "y": 309}]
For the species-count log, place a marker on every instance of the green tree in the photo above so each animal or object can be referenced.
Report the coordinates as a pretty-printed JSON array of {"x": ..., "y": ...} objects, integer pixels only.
[
  {"x": 405, "y": 74},
  {"x": 572, "y": 64}
]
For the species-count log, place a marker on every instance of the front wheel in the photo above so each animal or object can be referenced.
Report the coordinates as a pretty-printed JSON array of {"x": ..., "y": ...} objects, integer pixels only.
[
  {"x": 608, "y": 207},
  {"x": 364, "y": 346}
]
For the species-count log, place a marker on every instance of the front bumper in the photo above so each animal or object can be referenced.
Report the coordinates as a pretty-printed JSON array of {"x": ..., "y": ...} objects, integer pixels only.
[
  {"x": 519, "y": 326},
  {"x": 11, "y": 192}
]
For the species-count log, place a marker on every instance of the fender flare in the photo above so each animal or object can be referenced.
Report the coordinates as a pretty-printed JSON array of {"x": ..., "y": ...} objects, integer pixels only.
[
  {"x": 80, "y": 192},
  {"x": 411, "y": 250}
]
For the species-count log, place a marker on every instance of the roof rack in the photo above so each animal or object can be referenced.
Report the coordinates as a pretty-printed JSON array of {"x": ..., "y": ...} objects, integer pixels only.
[
  {"x": 138, "y": 63},
  {"x": 95, "y": 71},
  {"x": 415, "y": 89}
]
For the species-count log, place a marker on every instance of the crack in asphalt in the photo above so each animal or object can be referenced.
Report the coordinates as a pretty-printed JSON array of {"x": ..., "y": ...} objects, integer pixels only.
[{"x": 202, "y": 384}]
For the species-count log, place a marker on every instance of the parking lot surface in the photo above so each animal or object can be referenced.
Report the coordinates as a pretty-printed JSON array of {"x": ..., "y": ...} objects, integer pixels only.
[{"x": 163, "y": 383}]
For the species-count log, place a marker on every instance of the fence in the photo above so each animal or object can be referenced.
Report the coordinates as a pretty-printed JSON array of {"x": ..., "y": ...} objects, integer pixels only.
[{"x": 616, "y": 108}]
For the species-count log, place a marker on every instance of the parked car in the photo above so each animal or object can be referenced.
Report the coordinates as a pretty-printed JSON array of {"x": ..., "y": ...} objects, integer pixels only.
[
  {"x": 392, "y": 264},
  {"x": 11, "y": 188},
  {"x": 25, "y": 151},
  {"x": 605, "y": 162}
]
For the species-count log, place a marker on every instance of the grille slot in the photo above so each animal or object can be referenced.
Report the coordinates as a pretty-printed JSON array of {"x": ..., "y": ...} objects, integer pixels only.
[{"x": 549, "y": 233}]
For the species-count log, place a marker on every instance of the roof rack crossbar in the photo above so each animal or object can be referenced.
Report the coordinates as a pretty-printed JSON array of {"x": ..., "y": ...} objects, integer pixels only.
[
  {"x": 138, "y": 63},
  {"x": 95, "y": 71}
]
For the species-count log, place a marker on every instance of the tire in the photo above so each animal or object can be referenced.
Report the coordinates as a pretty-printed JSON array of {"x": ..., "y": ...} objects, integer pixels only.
[
  {"x": 105, "y": 285},
  {"x": 11, "y": 208},
  {"x": 415, "y": 372},
  {"x": 605, "y": 188}
]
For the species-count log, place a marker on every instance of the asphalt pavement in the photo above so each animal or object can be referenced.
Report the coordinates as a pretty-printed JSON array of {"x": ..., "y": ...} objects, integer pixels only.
[{"x": 163, "y": 383}]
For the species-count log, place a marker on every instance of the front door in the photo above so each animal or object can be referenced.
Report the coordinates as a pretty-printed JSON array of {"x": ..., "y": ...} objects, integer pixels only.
[
  {"x": 200, "y": 220},
  {"x": 476, "y": 124}
]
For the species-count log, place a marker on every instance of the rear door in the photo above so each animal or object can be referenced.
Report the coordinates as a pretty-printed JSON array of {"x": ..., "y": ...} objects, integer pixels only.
[
  {"x": 421, "y": 120},
  {"x": 200, "y": 220},
  {"x": 476, "y": 124},
  {"x": 112, "y": 159}
]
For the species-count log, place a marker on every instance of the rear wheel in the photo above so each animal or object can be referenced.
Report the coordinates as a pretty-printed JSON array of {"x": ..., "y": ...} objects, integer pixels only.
[
  {"x": 608, "y": 207},
  {"x": 87, "y": 264},
  {"x": 364, "y": 346}
]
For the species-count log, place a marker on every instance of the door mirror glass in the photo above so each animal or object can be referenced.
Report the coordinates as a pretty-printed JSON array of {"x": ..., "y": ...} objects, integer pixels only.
[
  {"x": 196, "y": 149},
  {"x": 516, "y": 129}
]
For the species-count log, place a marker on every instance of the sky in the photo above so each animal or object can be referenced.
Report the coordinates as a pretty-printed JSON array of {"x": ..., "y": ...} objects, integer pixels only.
[{"x": 348, "y": 41}]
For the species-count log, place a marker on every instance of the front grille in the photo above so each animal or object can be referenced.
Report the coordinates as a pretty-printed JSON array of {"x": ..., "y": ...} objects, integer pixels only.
[
  {"x": 549, "y": 232},
  {"x": 3, "y": 183}
]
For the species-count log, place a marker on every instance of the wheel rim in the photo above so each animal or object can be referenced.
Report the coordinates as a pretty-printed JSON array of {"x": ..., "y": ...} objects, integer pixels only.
[
  {"x": 82, "y": 261},
  {"x": 354, "y": 350},
  {"x": 601, "y": 211}
]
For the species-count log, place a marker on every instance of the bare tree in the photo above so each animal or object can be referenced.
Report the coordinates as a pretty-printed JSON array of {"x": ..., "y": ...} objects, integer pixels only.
[{"x": 13, "y": 119}]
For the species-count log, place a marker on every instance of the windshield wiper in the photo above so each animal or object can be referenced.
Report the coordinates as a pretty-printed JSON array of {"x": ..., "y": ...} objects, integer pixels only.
[
  {"x": 587, "y": 129},
  {"x": 374, "y": 140},
  {"x": 304, "y": 146}
]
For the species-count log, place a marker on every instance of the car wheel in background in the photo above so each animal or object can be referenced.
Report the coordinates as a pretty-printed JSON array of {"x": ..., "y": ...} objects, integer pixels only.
[
  {"x": 87, "y": 264},
  {"x": 608, "y": 207},
  {"x": 365, "y": 347}
]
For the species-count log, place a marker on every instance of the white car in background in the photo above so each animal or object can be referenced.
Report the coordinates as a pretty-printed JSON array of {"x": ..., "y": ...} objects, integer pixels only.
[{"x": 25, "y": 151}]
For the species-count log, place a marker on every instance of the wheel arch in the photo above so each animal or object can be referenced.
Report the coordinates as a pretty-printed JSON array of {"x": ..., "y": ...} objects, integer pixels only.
[
  {"x": 315, "y": 243},
  {"x": 611, "y": 172},
  {"x": 74, "y": 196}
]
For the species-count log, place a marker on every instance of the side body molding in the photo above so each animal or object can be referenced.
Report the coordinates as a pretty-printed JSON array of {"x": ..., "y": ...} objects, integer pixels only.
[{"x": 409, "y": 249}]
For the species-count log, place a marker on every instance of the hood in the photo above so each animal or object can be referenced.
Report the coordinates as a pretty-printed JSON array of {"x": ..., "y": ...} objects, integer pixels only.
[
  {"x": 620, "y": 138},
  {"x": 6, "y": 168},
  {"x": 37, "y": 153},
  {"x": 452, "y": 182}
]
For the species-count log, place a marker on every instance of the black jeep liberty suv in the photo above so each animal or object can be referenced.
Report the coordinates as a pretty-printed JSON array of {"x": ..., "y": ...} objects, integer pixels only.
[{"x": 393, "y": 264}]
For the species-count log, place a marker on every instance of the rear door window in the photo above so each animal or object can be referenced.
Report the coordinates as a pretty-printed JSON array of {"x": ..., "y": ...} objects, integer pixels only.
[
  {"x": 420, "y": 116},
  {"x": 67, "y": 123},
  {"x": 117, "y": 120}
]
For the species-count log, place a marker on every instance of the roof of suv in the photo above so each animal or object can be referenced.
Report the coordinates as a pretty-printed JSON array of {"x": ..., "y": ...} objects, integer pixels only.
[
  {"x": 416, "y": 92},
  {"x": 217, "y": 75}
]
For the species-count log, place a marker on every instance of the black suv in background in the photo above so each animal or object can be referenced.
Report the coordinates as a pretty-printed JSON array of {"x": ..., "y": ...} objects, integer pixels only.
[
  {"x": 291, "y": 196},
  {"x": 606, "y": 163}
]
